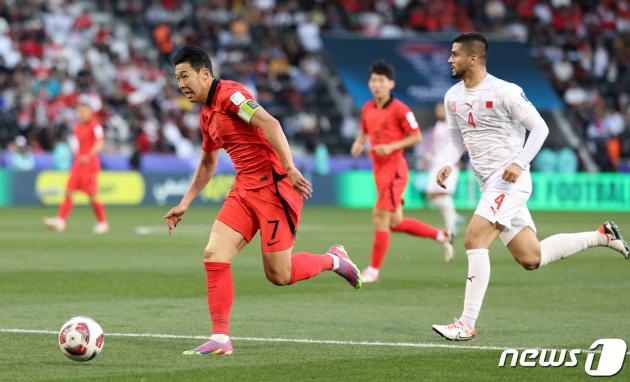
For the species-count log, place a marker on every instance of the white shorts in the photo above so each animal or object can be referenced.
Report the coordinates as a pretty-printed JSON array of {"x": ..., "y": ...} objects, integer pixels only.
[
  {"x": 451, "y": 182},
  {"x": 505, "y": 204}
]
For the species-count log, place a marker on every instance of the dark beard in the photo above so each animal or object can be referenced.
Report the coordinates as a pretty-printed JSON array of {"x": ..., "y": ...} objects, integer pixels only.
[{"x": 457, "y": 75}]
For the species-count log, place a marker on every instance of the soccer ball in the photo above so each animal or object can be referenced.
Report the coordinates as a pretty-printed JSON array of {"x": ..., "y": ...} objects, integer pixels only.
[{"x": 81, "y": 339}]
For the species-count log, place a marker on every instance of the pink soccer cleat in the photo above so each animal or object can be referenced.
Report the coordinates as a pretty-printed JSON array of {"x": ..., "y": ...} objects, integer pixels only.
[
  {"x": 211, "y": 347},
  {"x": 346, "y": 269}
]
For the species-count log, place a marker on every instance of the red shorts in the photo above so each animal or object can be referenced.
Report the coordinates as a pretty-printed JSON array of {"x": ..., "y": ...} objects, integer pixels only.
[
  {"x": 274, "y": 209},
  {"x": 85, "y": 180},
  {"x": 391, "y": 182}
]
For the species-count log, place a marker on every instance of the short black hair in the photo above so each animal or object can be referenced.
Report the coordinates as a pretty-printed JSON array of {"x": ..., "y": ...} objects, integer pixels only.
[
  {"x": 474, "y": 42},
  {"x": 195, "y": 56},
  {"x": 383, "y": 68}
]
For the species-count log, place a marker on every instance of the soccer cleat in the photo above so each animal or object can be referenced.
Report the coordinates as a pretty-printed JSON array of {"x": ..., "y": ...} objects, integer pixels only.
[
  {"x": 447, "y": 244},
  {"x": 211, "y": 347},
  {"x": 369, "y": 275},
  {"x": 55, "y": 224},
  {"x": 346, "y": 269},
  {"x": 101, "y": 228},
  {"x": 614, "y": 238},
  {"x": 456, "y": 331}
]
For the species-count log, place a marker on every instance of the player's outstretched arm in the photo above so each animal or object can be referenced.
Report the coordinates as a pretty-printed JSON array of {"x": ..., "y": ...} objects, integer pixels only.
[
  {"x": 203, "y": 174},
  {"x": 278, "y": 141}
]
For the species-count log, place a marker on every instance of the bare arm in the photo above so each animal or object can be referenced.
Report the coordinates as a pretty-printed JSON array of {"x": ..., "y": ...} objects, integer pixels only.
[
  {"x": 203, "y": 174},
  {"x": 98, "y": 147},
  {"x": 273, "y": 132},
  {"x": 358, "y": 144}
]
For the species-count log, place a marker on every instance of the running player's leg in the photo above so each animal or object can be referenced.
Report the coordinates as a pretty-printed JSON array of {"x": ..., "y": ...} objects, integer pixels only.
[
  {"x": 415, "y": 227},
  {"x": 479, "y": 235},
  {"x": 58, "y": 223},
  {"x": 233, "y": 228},
  {"x": 91, "y": 188},
  {"x": 408, "y": 225},
  {"x": 532, "y": 254},
  {"x": 223, "y": 245},
  {"x": 279, "y": 217}
]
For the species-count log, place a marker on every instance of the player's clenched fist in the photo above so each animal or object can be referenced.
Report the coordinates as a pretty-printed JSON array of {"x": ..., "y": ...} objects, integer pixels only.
[
  {"x": 442, "y": 175},
  {"x": 300, "y": 183},
  {"x": 512, "y": 173},
  {"x": 174, "y": 216}
]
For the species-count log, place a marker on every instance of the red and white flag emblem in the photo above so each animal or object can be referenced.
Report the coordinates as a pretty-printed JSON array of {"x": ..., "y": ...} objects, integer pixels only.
[
  {"x": 488, "y": 104},
  {"x": 453, "y": 106}
]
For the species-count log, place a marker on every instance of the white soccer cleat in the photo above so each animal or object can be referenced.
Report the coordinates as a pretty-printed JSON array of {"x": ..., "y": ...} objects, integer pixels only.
[
  {"x": 447, "y": 244},
  {"x": 614, "y": 238},
  {"x": 101, "y": 228},
  {"x": 369, "y": 275},
  {"x": 456, "y": 331},
  {"x": 55, "y": 224}
]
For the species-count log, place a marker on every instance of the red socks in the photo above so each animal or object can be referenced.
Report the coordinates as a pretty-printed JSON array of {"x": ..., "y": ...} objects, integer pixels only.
[
  {"x": 220, "y": 295},
  {"x": 379, "y": 248},
  {"x": 99, "y": 211},
  {"x": 65, "y": 208},
  {"x": 415, "y": 227},
  {"x": 306, "y": 265}
]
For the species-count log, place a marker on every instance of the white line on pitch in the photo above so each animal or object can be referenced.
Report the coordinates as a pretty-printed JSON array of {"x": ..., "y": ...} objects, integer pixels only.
[{"x": 290, "y": 340}]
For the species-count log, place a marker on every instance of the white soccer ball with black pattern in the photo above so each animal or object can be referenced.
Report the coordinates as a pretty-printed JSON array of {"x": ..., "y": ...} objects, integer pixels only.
[{"x": 81, "y": 339}]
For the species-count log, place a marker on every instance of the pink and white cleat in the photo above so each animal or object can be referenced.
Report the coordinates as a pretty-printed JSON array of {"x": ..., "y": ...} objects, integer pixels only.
[
  {"x": 369, "y": 275},
  {"x": 346, "y": 268},
  {"x": 456, "y": 331},
  {"x": 212, "y": 347},
  {"x": 614, "y": 238}
]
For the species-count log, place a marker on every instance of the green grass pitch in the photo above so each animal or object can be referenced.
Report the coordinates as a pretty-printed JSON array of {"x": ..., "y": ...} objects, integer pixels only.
[{"x": 152, "y": 283}]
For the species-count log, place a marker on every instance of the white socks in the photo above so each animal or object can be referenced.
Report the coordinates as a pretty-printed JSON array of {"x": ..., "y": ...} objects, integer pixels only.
[
  {"x": 446, "y": 206},
  {"x": 335, "y": 261},
  {"x": 563, "y": 245},
  {"x": 476, "y": 285},
  {"x": 220, "y": 338}
]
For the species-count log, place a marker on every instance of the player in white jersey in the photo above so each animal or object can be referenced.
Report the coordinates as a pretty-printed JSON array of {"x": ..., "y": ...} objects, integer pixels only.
[
  {"x": 489, "y": 116},
  {"x": 442, "y": 198}
]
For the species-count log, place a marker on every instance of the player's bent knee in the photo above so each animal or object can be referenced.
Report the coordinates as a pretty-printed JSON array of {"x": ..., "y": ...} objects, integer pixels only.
[
  {"x": 278, "y": 279},
  {"x": 530, "y": 263},
  {"x": 209, "y": 254}
]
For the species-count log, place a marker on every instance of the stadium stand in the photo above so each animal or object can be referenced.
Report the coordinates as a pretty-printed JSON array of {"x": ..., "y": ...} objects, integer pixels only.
[{"x": 119, "y": 50}]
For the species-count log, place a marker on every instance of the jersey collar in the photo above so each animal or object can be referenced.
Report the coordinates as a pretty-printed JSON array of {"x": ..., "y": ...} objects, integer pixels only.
[
  {"x": 212, "y": 92},
  {"x": 389, "y": 101}
]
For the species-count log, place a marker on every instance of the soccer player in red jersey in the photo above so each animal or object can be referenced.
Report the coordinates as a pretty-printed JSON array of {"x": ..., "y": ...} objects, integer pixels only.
[
  {"x": 86, "y": 166},
  {"x": 391, "y": 127},
  {"x": 267, "y": 195}
]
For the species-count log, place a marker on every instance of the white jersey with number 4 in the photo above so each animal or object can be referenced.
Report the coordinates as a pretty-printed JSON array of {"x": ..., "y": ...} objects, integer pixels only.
[{"x": 487, "y": 117}]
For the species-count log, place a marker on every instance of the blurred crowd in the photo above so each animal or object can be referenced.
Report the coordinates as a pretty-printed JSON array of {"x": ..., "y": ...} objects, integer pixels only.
[{"x": 51, "y": 51}]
